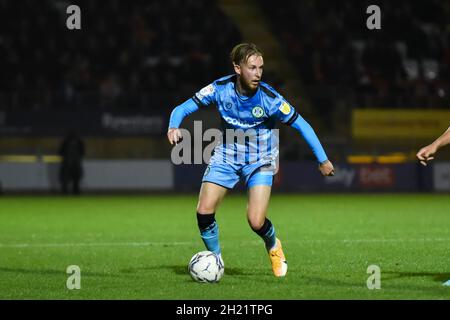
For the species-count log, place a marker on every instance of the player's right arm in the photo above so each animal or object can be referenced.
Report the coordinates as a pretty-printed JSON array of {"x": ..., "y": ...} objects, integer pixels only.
[
  {"x": 177, "y": 116},
  {"x": 203, "y": 98},
  {"x": 426, "y": 153}
]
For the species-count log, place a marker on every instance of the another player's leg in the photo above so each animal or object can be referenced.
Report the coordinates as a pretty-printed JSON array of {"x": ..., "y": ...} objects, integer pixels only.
[
  {"x": 209, "y": 199},
  {"x": 258, "y": 202}
]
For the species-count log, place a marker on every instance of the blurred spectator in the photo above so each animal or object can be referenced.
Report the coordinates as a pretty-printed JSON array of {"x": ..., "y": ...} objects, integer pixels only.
[
  {"x": 71, "y": 170},
  {"x": 110, "y": 91}
]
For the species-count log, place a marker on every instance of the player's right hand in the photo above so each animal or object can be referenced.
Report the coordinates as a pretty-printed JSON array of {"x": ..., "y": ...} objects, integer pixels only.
[
  {"x": 326, "y": 168},
  {"x": 174, "y": 135}
]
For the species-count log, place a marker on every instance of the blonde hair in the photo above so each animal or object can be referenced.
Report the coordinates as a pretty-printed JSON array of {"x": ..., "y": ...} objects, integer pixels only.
[{"x": 243, "y": 51}]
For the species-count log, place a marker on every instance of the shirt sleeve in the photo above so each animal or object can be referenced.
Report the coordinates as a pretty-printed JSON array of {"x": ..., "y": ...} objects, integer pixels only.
[
  {"x": 206, "y": 96},
  {"x": 289, "y": 116},
  {"x": 310, "y": 137},
  {"x": 286, "y": 113},
  {"x": 180, "y": 112}
]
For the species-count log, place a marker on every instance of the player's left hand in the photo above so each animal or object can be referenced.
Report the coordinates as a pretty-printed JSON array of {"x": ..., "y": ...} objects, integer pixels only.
[{"x": 326, "y": 168}]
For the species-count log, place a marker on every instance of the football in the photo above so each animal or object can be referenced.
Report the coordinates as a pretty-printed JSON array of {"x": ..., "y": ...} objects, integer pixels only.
[{"x": 206, "y": 266}]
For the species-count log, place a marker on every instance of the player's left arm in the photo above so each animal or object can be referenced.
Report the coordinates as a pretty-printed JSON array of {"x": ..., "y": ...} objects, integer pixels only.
[{"x": 288, "y": 115}]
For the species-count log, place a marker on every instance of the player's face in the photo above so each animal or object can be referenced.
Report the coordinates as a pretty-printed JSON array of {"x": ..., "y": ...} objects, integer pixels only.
[{"x": 250, "y": 72}]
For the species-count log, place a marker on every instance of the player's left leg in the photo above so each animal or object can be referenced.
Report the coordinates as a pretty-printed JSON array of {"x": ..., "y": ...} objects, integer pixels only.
[
  {"x": 259, "y": 189},
  {"x": 258, "y": 202}
]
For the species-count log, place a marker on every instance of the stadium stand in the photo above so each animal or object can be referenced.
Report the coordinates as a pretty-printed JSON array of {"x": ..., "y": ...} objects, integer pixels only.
[
  {"x": 406, "y": 64},
  {"x": 144, "y": 57},
  {"x": 128, "y": 55}
]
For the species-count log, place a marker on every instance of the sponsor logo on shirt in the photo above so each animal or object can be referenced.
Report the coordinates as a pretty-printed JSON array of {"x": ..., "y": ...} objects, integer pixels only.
[
  {"x": 206, "y": 91},
  {"x": 240, "y": 123},
  {"x": 285, "y": 108}
]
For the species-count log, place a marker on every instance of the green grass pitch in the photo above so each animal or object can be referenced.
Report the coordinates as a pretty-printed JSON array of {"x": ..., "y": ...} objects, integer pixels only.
[{"x": 138, "y": 247}]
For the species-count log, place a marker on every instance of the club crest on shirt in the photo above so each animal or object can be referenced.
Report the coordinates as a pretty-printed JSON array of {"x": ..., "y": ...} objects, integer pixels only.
[
  {"x": 257, "y": 112},
  {"x": 285, "y": 108}
]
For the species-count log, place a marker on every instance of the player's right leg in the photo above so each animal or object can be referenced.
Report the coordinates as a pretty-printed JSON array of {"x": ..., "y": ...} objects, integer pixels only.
[
  {"x": 209, "y": 199},
  {"x": 218, "y": 178}
]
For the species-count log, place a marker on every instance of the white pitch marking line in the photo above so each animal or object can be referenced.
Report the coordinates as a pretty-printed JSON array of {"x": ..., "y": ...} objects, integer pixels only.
[
  {"x": 376, "y": 240},
  {"x": 154, "y": 243},
  {"x": 93, "y": 244}
]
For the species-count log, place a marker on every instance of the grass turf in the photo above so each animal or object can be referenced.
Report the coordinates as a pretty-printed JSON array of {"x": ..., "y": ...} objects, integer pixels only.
[{"x": 138, "y": 247}]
